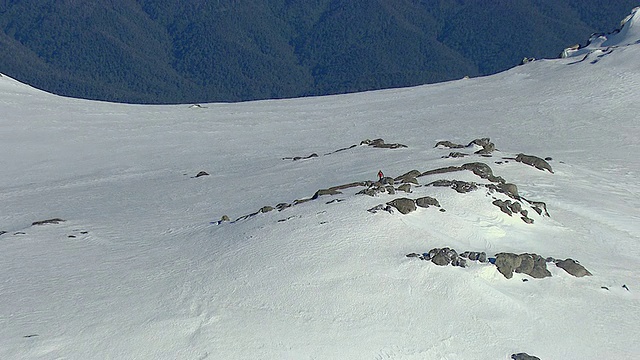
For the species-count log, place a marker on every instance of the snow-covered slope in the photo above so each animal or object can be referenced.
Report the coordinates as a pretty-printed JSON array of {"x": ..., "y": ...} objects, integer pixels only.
[{"x": 140, "y": 268}]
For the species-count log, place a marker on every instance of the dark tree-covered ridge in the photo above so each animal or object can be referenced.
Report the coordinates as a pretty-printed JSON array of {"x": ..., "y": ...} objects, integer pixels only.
[{"x": 151, "y": 51}]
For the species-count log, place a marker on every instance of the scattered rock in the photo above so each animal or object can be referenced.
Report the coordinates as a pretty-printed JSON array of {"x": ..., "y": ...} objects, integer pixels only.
[
  {"x": 510, "y": 189},
  {"x": 534, "y": 161},
  {"x": 49, "y": 221},
  {"x": 282, "y": 206},
  {"x": 379, "y": 143},
  {"x": 405, "y": 187},
  {"x": 201, "y": 173},
  {"x": 411, "y": 175},
  {"x": 321, "y": 192},
  {"x": 381, "y": 207},
  {"x": 475, "y": 256},
  {"x": 523, "y": 356},
  {"x": 445, "y": 256},
  {"x": 531, "y": 264},
  {"x": 404, "y": 205},
  {"x": 504, "y": 206},
  {"x": 447, "y": 169},
  {"x": 427, "y": 201},
  {"x": 455, "y": 154},
  {"x": 573, "y": 268},
  {"x": 296, "y": 158},
  {"x": 449, "y": 144},
  {"x": 459, "y": 186}
]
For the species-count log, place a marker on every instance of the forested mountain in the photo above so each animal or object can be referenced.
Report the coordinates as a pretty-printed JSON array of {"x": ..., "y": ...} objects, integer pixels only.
[{"x": 152, "y": 51}]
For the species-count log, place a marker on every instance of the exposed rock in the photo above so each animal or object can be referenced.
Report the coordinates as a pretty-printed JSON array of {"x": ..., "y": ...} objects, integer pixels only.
[
  {"x": 349, "y": 185},
  {"x": 381, "y": 207},
  {"x": 531, "y": 264},
  {"x": 526, "y": 264},
  {"x": 480, "y": 142},
  {"x": 202, "y": 173},
  {"x": 455, "y": 154},
  {"x": 404, "y": 205},
  {"x": 224, "y": 218},
  {"x": 507, "y": 263},
  {"x": 539, "y": 270},
  {"x": 523, "y": 356},
  {"x": 516, "y": 207},
  {"x": 504, "y": 206},
  {"x": 390, "y": 190},
  {"x": 49, "y": 221},
  {"x": 409, "y": 175},
  {"x": 427, "y": 201},
  {"x": 266, "y": 209},
  {"x": 538, "y": 206},
  {"x": 282, "y": 206},
  {"x": 447, "y": 169},
  {"x": 296, "y": 158},
  {"x": 325, "y": 192},
  {"x": 475, "y": 256},
  {"x": 405, "y": 187},
  {"x": 449, "y": 144},
  {"x": 445, "y": 256},
  {"x": 509, "y": 189},
  {"x": 573, "y": 268},
  {"x": 459, "y": 186},
  {"x": 527, "y": 220},
  {"x": 534, "y": 161},
  {"x": 379, "y": 143},
  {"x": 483, "y": 170},
  {"x": 386, "y": 181}
]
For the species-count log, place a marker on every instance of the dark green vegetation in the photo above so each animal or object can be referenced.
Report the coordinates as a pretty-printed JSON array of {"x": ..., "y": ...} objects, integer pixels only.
[{"x": 152, "y": 51}]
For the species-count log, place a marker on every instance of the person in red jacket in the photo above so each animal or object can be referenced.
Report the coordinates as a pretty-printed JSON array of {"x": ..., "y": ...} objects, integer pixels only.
[{"x": 380, "y": 175}]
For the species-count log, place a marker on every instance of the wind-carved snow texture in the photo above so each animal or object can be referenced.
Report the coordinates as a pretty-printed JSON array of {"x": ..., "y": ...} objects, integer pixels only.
[{"x": 136, "y": 270}]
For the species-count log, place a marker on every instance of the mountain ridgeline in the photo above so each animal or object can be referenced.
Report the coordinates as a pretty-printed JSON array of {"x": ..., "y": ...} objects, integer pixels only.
[{"x": 151, "y": 51}]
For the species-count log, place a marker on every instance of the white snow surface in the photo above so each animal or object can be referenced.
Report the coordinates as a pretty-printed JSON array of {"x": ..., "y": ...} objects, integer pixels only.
[{"x": 139, "y": 271}]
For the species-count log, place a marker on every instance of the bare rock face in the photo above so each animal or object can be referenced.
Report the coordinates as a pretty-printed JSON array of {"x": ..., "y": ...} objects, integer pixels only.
[
  {"x": 379, "y": 143},
  {"x": 523, "y": 356},
  {"x": 411, "y": 175},
  {"x": 427, "y": 201},
  {"x": 405, "y": 187},
  {"x": 48, "y": 221},
  {"x": 531, "y": 264},
  {"x": 459, "y": 186},
  {"x": 449, "y": 144},
  {"x": 534, "y": 161},
  {"x": 573, "y": 268},
  {"x": 404, "y": 205},
  {"x": 445, "y": 256}
]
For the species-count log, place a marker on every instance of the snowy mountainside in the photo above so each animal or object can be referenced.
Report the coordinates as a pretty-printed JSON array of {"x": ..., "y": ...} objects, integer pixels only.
[{"x": 139, "y": 267}]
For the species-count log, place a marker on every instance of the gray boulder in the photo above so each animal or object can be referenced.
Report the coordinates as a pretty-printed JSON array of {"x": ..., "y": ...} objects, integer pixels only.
[
  {"x": 448, "y": 144},
  {"x": 427, "y": 201},
  {"x": 405, "y": 187},
  {"x": 403, "y": 205},
  {"x": 409, "y": 175},
  {"x": 534, "y": 161},
  {"x": 573, "y": 267},
  {"x": 523, "y": 356},
  {"x": 507, "y": 263}
]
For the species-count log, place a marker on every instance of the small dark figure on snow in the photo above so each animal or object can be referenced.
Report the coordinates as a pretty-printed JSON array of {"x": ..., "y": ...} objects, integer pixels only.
[{"x": 380, "y": 175}]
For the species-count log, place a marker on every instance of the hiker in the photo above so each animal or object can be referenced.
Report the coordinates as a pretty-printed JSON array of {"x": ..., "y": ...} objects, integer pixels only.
[{"x": 380, "y": 175}]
